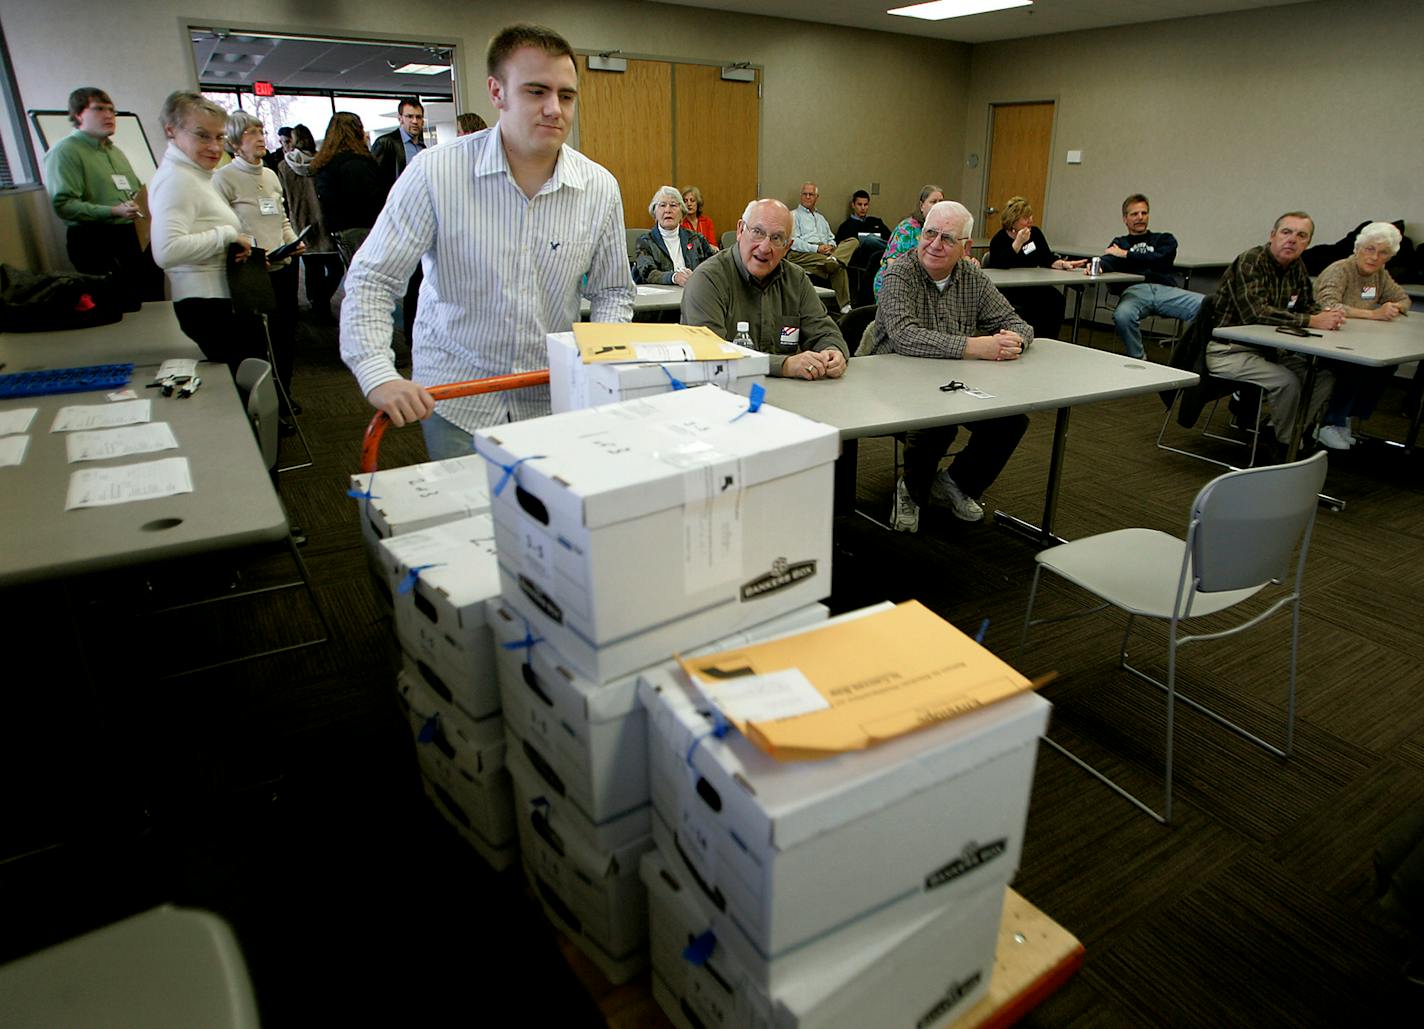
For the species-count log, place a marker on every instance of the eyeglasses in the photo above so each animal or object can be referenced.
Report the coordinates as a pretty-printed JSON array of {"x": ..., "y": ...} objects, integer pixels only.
[
  {"x": 760, "y": 235},
  {"x": 204, "y": 137},
  {"x": 930, "y": 235},
  {"x": 1376, "y": 251}
]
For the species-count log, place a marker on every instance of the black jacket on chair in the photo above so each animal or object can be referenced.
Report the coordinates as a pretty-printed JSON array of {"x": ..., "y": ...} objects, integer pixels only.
[{"x": 1189, "y": 354}]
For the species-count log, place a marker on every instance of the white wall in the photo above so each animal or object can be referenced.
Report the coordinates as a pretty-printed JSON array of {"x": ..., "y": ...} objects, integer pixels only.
[
  {"x": 840, "y": 106},
  {"x": 1223, "y": 121}
]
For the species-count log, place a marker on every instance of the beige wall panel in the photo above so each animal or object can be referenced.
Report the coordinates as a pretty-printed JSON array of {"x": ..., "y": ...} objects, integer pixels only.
[
  {"x": 1224, "y": 121},
  {"x": 625, "y": 124},
  {"x": 718, "y": 129}
]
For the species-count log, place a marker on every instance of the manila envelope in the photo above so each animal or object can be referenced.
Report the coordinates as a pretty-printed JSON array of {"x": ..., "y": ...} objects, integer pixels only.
[
  {"x": 622, "y": 342},
  {"x": 852, "y": 685}
]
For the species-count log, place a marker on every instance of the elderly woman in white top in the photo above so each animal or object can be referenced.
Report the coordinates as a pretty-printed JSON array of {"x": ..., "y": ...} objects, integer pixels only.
[
  {"x": 668, "y": 253},
  {"x": 1359, "y": 286},
  {"x": 255, "y": 194},
  {"x": 193, "y": 227}
]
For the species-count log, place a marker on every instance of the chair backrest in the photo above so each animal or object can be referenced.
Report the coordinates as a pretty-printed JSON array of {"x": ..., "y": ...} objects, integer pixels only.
[
  {"x": 633, "y": 236},
  {"x": 1246, "y": 524},
  {"x": 348, "y": 241},
  {"x": 259, "y": 393},
  {"x": 853, "y": 325},
  {"x": 729, "y": 238}
]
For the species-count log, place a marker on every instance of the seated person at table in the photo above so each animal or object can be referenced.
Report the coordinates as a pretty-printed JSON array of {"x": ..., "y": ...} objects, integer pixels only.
[
  {"x": 907, "y": 233},
  {"x": 1021, "y": 244},
  {"x": 1361, "y": 288},
  {"x": 935, "y": 304},
  {"x": 1151, "y": 255},
  {"x": 667, "y": 254},
  {"x": 814, "y": 246},
  {"x": 864, "y": 226},
  {"x": 749, "y": 282},
  {"x": 695, "y": 219},
  {"x": 1269, "y": 285}
]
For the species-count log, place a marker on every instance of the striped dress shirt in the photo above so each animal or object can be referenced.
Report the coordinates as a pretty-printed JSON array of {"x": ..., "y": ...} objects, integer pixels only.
[{"x": 502, "y": 270}]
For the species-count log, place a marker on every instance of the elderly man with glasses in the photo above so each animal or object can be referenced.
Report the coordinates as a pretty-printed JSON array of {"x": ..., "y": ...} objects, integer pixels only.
[
  {"x": 935, "y": 304},
  {"x": 751, "y": 283}
]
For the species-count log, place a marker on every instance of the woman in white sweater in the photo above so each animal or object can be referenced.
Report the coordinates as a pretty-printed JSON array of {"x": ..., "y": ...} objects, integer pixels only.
[
  {"x": 255, "y": 194},
  {"x": 193, "y": 227}
]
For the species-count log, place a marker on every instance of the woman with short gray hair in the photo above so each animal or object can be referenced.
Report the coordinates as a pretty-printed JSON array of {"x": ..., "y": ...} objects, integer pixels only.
[
  {"x": 668, "y": 253},
  {"x": 1361, "y": 287}
]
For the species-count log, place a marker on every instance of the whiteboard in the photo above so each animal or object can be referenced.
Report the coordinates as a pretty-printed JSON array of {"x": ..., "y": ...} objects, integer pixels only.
[{"x": 52, "y": 126}]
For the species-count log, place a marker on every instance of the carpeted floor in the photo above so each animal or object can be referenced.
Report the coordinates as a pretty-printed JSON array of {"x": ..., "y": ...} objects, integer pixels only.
[{"x": 282, "y": 793}]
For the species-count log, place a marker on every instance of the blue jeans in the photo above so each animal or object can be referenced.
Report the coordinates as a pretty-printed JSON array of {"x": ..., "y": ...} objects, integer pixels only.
[
  {"x": 1149, "y": 298},
  {"x": 444, "y": 439}
]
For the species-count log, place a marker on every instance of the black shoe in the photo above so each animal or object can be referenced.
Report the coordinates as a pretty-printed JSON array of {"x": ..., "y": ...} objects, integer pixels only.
[{"x": 285, "y": 427}]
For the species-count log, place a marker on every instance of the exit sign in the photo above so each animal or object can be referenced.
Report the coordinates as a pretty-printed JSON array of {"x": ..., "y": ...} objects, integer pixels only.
[{"x": 264, "y": 89}]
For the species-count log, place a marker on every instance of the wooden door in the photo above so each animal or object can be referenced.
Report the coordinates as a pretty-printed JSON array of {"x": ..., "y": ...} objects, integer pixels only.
[
  {"x": 717, "y": 139},
  {"x": 625, "y": 124},
  {"x": 1021, "y": 137}
]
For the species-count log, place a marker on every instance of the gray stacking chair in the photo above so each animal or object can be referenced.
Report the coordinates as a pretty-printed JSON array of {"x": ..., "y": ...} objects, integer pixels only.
[{"x": 1244, "y": 529}]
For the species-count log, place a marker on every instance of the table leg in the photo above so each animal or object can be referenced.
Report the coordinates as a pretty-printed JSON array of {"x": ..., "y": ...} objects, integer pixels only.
[
  {"x": 1078, "y": 292},
  {"x": 1044, "y": 535},
  {"x": 847, "y": 466},
  {"x": 1416, "y": 400},
  {"x": 1307, "y": 390}
]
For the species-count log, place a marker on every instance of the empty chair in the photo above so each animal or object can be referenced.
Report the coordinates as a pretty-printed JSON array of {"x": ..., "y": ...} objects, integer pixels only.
[
  {"x": 1244, "y": 528},
  {"x": 259, "y": 393}
]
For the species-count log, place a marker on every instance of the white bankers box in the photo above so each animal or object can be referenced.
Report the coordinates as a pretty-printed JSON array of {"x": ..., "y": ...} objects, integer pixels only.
[{"x": 574, "y": 385}]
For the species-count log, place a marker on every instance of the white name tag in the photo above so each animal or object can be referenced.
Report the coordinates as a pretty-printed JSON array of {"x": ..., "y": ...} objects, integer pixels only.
[
  {"x": 1290, "y": 305},
  {"x": 790, "y": 336},
  {"x": 121, "y": 182},
  {"x": 1367, "y": 293},
  {"x": 1030, "y": 247},
  {"x": 268, "y": 205}
]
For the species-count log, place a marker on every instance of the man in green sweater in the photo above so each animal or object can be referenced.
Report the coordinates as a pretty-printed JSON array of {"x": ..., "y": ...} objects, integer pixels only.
[{"x": 94, "y": 189}]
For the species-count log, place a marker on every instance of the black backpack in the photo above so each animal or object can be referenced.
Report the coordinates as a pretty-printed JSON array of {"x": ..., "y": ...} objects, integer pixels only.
[{"x": 48, "y": 301}]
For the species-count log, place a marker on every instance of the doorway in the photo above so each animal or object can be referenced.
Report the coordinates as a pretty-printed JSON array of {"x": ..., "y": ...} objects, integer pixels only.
[{"x": 1020, "y": 148}]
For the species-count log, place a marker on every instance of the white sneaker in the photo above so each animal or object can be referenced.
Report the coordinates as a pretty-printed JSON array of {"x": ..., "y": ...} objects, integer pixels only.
[
  {"x": 1333, "y": 436},
  {"x": 945, "y": 490},
  {"x": 1349, "y": 435},
  {"x": 845, "y": 309},
  {"x": 904, "y": 512}
]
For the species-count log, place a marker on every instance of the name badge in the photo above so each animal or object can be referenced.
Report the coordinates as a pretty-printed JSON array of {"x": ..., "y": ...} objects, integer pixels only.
[
  {"x": 268, "y": 205},
  {"x": 1290, "y": 305},
  {"x": 790, "y": 336},
  {"x": 1367, "y": 293},
  {"x": 1030, "y": 248},
  {"x": 121, "y": 183}
]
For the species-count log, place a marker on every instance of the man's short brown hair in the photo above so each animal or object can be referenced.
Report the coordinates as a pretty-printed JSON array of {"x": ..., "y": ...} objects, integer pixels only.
[
  {"x": 1135, "y": 198},
  {"x": 82, "y": 98},
  {"x": 1295, "y": 214},
  {"x": 516, "y": 37}
]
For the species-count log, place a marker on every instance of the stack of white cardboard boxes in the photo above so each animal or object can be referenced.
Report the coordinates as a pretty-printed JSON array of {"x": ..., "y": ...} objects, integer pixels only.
[
  {"x": 430, "y": 543},
  {"x": 864, "y": 889},
  {"x": 627, "y": 533}
]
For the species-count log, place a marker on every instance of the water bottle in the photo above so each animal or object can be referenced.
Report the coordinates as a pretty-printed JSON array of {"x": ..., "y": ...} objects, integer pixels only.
[{"x": 743, "y": 338}]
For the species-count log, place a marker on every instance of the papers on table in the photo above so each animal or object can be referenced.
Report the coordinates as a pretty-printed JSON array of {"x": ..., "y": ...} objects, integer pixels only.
[
  {"x": 17, "y": 420},
  {"x": 653, "y": 291},
  {"x": 100, "y": 487},
  {"x": 12, "y": 450},
  {"x": 176, "y": 367},
  {"x": 101, "y": 416},
  {"x": 122, "y": 442}
]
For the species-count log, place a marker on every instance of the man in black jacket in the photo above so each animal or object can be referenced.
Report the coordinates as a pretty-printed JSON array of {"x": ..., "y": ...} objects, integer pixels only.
[
  {"x": 1151, "y": 255},
  {"x": 395, "y": 149}
]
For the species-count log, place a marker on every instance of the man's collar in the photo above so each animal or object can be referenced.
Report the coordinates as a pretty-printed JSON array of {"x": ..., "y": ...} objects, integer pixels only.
[
  {"x": 803, "y": 207},
  {"x": 97, "y": 142},
  {"x": 492, "y": 160},
  {"x": 406, "y": 137}
]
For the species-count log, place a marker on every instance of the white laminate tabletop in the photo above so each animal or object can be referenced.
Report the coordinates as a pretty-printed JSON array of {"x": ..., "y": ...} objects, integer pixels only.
[
  {"x": 149, "y": 335},
  {"x": 1182, "y": 261},
  {"x": 1358, "y": 341},
  {"x": 233, "y": 502},
  {"x": 1006, "y": 278},
  {"x": 889, "y": 393}
]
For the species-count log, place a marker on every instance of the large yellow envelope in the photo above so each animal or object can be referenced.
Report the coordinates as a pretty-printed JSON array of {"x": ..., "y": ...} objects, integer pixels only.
[
  {"x": 854, "y": 684},
  {"x": 649, "y": 341}
]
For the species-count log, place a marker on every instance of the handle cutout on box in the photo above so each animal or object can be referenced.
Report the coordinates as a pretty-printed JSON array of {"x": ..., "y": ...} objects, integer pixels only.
[
  {"x": 532, "y": 505},
  {"x": 713, "y": 893},
  {"x": 532, "y": 681},
  {"x": 709, "y": 794},
  {"x": 435, "y": 682},
  {"x": 545, "y": 770}
]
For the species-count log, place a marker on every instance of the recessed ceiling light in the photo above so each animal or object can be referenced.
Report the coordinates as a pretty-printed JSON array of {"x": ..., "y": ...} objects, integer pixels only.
[
  {"x": 422, "y": 69},
  {"x": 943, "y": 10}
]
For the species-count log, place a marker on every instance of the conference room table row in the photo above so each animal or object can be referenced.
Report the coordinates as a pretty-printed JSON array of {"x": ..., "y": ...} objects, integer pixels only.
[
  {"x": 656, "y": 299},
  {"x": 232, "y": 504},
  {"x": 1358, "y": 341}
]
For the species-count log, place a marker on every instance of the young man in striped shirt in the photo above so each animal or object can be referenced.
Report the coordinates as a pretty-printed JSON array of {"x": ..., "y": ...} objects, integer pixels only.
[{"x": 506, "y": 224}]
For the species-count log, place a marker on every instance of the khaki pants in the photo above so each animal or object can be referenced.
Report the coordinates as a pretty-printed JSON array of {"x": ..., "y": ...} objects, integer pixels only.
[
  {"x": 831, "y": 267},
  {"x": 1281, "y": 379}
]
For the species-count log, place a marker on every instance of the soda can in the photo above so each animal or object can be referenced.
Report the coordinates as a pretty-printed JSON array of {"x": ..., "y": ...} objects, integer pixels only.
[{"x": 1095, "y": 266}]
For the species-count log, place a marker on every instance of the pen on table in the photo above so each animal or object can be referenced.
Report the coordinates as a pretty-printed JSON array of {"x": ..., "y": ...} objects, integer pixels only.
[{"x": 983, "y": 629}]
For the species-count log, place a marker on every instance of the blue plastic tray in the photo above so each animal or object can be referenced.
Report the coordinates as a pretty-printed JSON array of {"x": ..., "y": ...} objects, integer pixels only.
[{"x": 64, "y": 380}]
